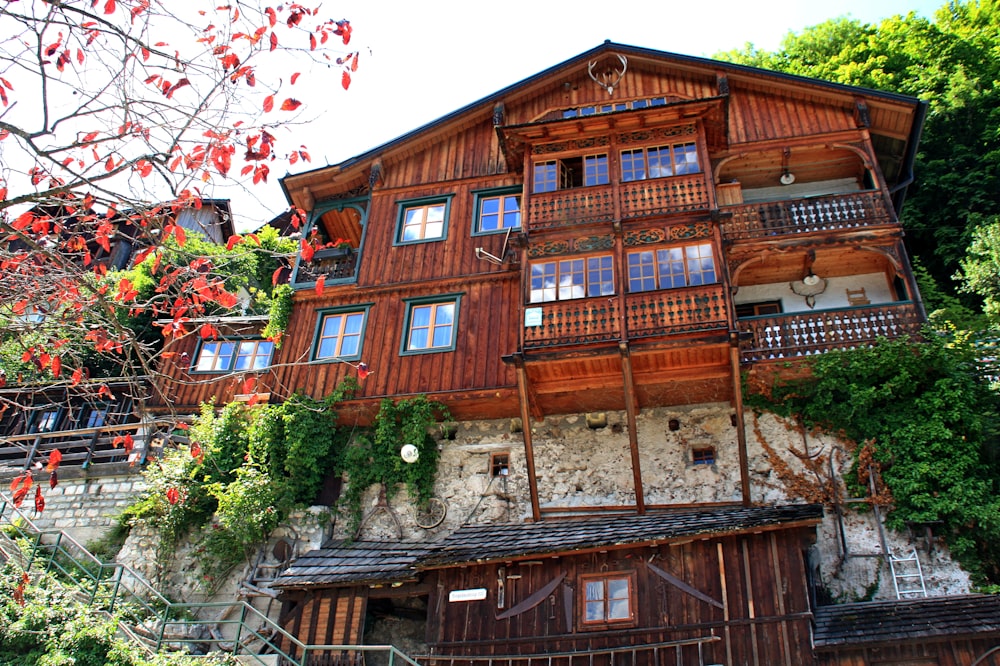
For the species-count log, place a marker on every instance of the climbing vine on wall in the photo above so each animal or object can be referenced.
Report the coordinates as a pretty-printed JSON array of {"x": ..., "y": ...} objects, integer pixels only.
[
  {"x": 929, "y": 421},
  {"x": 374, "y": 456}
]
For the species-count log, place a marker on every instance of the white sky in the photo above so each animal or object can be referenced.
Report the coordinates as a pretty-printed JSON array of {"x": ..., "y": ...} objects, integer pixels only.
[{"x": 421, "y": 60}]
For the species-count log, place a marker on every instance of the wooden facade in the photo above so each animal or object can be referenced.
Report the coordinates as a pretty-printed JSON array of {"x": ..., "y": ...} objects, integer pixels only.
[{"x": 627, "y": 230}]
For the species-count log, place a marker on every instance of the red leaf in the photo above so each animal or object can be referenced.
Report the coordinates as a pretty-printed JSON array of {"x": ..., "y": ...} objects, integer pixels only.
[
  {"x": 320, "y": 281},
  {"x": 268, "y": 103},
  {"x": 234, "y": 240},
  {"x": 290, "y": 104},
  {"x": 19, "y": 488},
  {"x": 276, "y": 275},
  {"x": 250, "y": 384},
  {"x": 39, "y": 500},
  {"x": 274, "y": 41},
  {"x": 56, "y": 366},
  {"x": 53, "y": 479},
  {"x": 208, "y": 331},
  {"x": 295, "y": 77},
  {"x": 19, "y": 590},
  {"x": 180, "y": 235},
  {"x": 54, "y": 459},
  {"x": 109, "y": 6},
  {"x": 272, "y": 17},
  {"x": 128, "y": 443},
  {"x": 173, "y": 495},
  {"x": 312, "y": 42},
  {"x": 196, "y": 451},
  {"x": 363, "y": 370},
  {"x": 345, "y": 80},
  {"x": 354, "y": 63},
  {"x": 110, "y": 164},
  {"x": 307, "y": 250},
  {"x": 77, "y": 376}
]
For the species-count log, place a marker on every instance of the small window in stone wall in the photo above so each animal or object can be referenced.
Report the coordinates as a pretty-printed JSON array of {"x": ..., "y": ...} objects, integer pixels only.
[
  {"x": 705, "y": 456},
  {"x": 500, "y": 464}
]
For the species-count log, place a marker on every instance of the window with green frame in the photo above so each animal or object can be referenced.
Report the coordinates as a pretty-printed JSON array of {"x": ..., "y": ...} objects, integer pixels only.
[
  {"x": 423, "y": 220},
  {"x": 571, "y": 278},
  {"x": 431, "y": 325},
  {"x": 233, "y": 356},
  {"x": 497, "y": 210},
  {"x": 340, "y": 333},
  {"x": 672, "y": 267}
]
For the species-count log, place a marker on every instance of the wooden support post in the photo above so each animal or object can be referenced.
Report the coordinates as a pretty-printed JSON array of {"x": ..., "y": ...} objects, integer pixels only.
[
  {"x": 751, "y": 610},
  {"x": 529, "y": 453},
  {"x": 725, "y": 602},
  {"x": 741, "y": 434},
  {"x": 633, "y": 435}
]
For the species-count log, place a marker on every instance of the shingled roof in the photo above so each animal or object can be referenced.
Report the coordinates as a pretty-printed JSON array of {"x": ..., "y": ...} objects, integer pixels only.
[
  {"x": 377, "y": 562},
  {"x": 351, "y": 563},
  {"x": 483, "y": 543},
  {"x": 872, "y": 623}
]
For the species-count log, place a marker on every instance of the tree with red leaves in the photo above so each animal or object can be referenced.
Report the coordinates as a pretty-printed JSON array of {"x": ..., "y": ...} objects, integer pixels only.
[{"x": 116, "y": 117}]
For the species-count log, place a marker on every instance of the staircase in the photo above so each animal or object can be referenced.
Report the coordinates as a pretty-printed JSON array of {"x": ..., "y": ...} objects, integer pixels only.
[{"x": 157, "y": 624}]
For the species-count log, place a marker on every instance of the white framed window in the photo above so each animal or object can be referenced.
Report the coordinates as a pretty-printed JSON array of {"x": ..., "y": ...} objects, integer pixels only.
[
  {"x": 672, "y": 267},
  {"x": 572, "y": 278}
]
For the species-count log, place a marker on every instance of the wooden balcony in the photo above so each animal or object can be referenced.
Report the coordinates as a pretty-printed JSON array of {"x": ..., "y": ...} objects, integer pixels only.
[
  {"x": 647, "y": 314},
  {"x": 670, "y": 311},
  {"x": 663, "y": 196},
  {"x": 805, "y": 333},
  {"x": 580, "y": 205},
  {"x": 575, "y": 322},
  {"x": 332, "y": 264},
  {"x": 88, "y": 448},
  {"x": 796, "y": 216},
  {"x": 589, "y": 205}
]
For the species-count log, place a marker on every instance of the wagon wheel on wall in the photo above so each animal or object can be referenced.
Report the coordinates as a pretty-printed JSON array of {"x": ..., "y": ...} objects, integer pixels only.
[{"x": 431, "y": 513}]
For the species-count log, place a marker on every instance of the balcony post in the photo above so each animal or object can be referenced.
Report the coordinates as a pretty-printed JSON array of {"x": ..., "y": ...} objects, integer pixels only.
[
  {"x": 741, "y": 435},
  {"x": 529, "y": 453},
  {"x": 633, "y": 436}
]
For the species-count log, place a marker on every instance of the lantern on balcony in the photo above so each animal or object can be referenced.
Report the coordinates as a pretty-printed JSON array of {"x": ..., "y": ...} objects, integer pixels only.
[{"x": 810, "y": 287}]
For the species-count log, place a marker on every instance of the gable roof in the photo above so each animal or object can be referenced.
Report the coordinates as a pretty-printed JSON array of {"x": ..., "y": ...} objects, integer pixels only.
[
  {"x": 892, "y": 104},
  {"x": 872, "y": 623},
  {"x": 367, "y": 562}
]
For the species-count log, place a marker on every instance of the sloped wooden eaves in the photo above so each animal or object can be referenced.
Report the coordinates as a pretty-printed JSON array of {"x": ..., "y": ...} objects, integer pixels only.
[{"x": 891, "y": 115}]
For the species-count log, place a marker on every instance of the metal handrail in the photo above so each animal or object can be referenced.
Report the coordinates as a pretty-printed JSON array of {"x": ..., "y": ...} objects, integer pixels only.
[{"x": 69, "y": 558}]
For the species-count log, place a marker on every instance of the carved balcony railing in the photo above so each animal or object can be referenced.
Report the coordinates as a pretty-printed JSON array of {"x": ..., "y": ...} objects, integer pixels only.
[
  {"x": 331, "y": 264},
  {"x": 661, "y": 196},
  {"x": 842, "y": 211},
  {"x": 581, "y": 205},
  {"x": 574, "y": 322},
  {"x": 588, "y": 205},
  {"x": 805, "y": 333},
  {"x": 668, "y": 311}
]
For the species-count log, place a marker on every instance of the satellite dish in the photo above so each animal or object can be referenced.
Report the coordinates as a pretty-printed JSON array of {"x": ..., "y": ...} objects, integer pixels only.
[{"x": 409, "y": 453}]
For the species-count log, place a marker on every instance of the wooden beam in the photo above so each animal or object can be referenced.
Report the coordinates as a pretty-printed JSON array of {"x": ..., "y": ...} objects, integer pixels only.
[
  {"x": 529, "y": 453},
  {"x": 633, "y": 436},
  {"x": 741, "y": 434}
]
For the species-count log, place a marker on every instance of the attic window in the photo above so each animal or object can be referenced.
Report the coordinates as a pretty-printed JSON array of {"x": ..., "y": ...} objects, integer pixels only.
[{"x": 594, "y": 109}]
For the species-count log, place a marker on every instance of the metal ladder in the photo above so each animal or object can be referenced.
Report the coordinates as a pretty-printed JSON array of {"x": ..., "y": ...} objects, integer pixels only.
[{"x": 907, "y": 576}]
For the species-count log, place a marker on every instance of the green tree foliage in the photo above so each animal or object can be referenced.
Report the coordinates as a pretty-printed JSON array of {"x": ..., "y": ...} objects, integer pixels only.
[
  {"x": 932, "y": 422},
  {"x": 953, "y": 63},
  {"x": 980, "y": 269}
]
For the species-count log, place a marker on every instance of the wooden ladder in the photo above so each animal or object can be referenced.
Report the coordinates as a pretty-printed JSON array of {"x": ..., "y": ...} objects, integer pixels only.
[{"x": 907, "y": 576}]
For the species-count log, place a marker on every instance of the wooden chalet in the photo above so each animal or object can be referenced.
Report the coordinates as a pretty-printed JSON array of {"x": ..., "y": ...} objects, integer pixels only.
[{"x": 627, "y": 230}]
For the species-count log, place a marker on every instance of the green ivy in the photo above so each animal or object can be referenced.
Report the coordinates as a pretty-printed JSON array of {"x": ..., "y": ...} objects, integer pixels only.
[
  {"x": 279, "y": 312},
  {"x": 374, "y": 457},
  {"x": 931, "y": 419}
]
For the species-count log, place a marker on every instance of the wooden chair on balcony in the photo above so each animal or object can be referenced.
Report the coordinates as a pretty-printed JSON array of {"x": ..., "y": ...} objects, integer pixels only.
[{"x": 857, "y": 297}]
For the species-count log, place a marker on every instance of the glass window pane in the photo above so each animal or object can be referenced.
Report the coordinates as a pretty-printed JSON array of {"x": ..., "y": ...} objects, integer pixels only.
[
  {"x": 595, "y": 611},
  {"x": 618, "y": 588},
  {"x": 686, "y": 158},
  {"x": 418, "y": 338},
  {"x": 544, "y": 177},
  {"x": 618, "y": 609},
  {"x": 595, "y": 590},
  {"x": 595, "y": 170},
  {"x": 421, "y": 316},
  {"x": 633, "y": 165}
]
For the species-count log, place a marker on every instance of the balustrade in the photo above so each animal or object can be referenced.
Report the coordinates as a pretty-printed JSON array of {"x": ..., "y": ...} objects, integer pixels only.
[
  {"x": 675, "y": 311},
  {"x": 805, "y": 333},
  {"x": 843, "y": 211},
  {"x": 579, "y": 321},
  {"x": 661, "y": 196},
  {"x": 331, "y": 264},
  {"x": 567, "y": 207}
]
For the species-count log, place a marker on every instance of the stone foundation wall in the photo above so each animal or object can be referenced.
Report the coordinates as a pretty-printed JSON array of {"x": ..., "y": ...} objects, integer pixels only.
[{"x": 85, "y": 507}]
